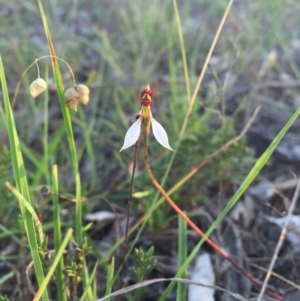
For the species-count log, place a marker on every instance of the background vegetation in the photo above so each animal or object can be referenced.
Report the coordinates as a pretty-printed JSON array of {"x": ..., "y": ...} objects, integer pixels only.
[{"x": 116, "y": 48}]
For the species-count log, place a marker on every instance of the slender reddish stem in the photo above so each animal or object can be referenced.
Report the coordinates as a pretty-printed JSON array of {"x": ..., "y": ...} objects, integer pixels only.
[{"x": 195, "y": 228}]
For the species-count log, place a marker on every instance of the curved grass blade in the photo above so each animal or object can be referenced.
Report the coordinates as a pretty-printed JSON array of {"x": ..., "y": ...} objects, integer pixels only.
[
  {"x": 179, "y": 280},
  {"x": 30, "y": 209}
]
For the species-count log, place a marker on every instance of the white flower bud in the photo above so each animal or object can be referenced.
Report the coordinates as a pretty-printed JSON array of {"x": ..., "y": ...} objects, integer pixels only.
[{"x": 37, "y": 87}]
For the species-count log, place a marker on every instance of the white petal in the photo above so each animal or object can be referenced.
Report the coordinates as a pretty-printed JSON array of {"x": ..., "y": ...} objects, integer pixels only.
[
  {"x": 132, "y": 134},
  {"x": 203, "y": 272},
  {"x": 160, "y": 134}
]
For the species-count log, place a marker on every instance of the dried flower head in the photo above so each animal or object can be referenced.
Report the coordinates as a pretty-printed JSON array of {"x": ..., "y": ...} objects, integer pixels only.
[
  {"x": 37, "y": 87},
  {"x": 79, "y": 93},
  {"x": 84, "y": 94}
]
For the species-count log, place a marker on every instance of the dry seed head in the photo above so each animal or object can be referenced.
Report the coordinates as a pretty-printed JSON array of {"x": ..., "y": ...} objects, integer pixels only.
[
  {"x": 73, "y": 105},
  {"x": 73, "y": 95},
  {"x": 37, "y": 87},
  {"x": 84, "y": 94}
]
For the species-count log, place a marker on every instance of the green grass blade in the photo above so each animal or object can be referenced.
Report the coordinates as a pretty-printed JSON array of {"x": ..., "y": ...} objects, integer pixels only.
[
  {"x": 183, "y": 53},
  {"x": 52, "y": 147},
  {"x": 89, "y": 283},
  {"x": 45, "y": 131},
  {"x": 61, "y": 285},
  {"x": 30, "y": 209},
  {"x": 260, "y": 163},
  {"x": 21, "y": 181},
  {"x": 7, "y": 232},
  {"x": 58, "y": 257},
  {"x": 182, "y": 253},
  {"x": 87, "y": 280},
  {"x": 203, "y": 71},
  {"x": 181, "y": 270},
  {"x": 110, "y": 277},
  {"x": 87, "y": 128},
  {"x": 7, "y": 277},
  {"x": 67, "y": 122}
]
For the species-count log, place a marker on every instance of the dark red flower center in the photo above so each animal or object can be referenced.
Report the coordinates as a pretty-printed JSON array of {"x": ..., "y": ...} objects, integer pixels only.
[{"x": 146, "y": 97}]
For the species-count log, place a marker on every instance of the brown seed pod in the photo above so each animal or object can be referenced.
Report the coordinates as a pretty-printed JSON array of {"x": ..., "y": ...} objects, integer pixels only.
[
  {"x": 72, "y": 104},
  {"x": 84, "y": 94},
  {"x": 37, "y": 87},
  {"x": 73, "y": 95}
]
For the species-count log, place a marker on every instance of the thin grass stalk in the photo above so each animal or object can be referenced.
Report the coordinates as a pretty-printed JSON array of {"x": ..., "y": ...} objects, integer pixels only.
[
  {"x": 110, "y": 277},
  {"x": 280, "y": 241},
  {"x": 183, "y": 53},
  {"x": 61, "y": 281},
  {"x": 276, "y": 275},
  {"x": 87, "y": 128},
  {"x": 147, "y": 283},
  {"x": 200, "y": 79},
  {"x": 45, "y": 131},
  {"x": 31, "y": 155},
  {"x": 129, "y": 205},
  {"x": 182, "y": 254},
  {"x": 51, "y": 149},
  {"x": 124, "y": 240}
]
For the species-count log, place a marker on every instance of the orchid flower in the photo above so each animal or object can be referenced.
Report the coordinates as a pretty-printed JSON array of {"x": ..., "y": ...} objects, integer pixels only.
[{"x": 145, "y": 114}]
